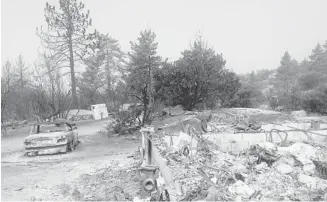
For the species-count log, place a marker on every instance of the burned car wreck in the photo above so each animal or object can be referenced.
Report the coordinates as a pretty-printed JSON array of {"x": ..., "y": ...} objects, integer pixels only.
[{"x": 51, "y": 138}]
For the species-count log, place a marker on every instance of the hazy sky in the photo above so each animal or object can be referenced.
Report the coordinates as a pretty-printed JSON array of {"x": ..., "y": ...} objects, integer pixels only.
[{"x": 251, "y": 34}]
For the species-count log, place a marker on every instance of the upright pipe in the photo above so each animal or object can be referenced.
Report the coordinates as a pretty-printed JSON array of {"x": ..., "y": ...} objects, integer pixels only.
[{"x": 149, "y": 150}]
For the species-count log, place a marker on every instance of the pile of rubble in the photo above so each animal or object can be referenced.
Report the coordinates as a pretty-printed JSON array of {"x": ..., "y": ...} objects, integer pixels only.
[
  {"x": 116, "y": 182},
  {"x": 263, "y": 172},
  {"x": 284, "y": 170},
  {"x": 233, "y": 123}
]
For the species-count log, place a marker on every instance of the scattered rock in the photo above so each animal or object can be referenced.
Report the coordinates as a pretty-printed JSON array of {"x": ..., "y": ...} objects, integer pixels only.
[
  {"x": 310, "y": 182},
  {"x": 284, "y": 168},
  {"x": 262, "y": 167},
  {"x": 241, "y": 189}
]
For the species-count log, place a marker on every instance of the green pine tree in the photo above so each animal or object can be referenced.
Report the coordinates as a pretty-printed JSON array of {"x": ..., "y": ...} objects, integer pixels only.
[{"x": 143, "y": 61}]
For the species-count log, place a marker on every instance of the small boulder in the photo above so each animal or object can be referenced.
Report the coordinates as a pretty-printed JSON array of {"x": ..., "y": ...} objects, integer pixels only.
[{"x": 284, "y": 168}]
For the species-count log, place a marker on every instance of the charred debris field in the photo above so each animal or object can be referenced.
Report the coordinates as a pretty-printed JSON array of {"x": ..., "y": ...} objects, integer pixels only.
[{"x": 228, "y": 154}]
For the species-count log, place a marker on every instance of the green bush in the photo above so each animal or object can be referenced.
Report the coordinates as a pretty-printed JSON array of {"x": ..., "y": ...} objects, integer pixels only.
[
  {"x": 315, "y": 100},
  {"x": 126, "y": 122},
  {"x": 247, "y": 96}
]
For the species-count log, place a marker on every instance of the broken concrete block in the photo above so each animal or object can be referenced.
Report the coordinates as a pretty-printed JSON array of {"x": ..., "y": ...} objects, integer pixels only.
[
  {"x": 241, "y": 189},
  {"x": 299, "y": 150},
  {"x": 310, "y": 182},
  {"x": 284, "y": 168}
]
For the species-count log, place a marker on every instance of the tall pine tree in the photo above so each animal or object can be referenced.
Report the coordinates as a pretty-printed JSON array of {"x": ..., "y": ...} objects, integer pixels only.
[
  {"x": 285, "y": 80},
  {"x": 91, "y": 83},
  {"x": 114, "y": 62},
  {"x": 143, "y": 61},
  {"x": 66, "y": 35},
  {"x": 317, "y": 59}
]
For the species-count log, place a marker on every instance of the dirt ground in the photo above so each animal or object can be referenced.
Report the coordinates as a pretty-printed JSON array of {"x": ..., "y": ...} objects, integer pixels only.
[{"x": 69, "y": 176}]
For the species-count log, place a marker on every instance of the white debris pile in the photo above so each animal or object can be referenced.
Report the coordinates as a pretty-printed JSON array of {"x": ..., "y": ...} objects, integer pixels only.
[{"x": 265, "y": 171}]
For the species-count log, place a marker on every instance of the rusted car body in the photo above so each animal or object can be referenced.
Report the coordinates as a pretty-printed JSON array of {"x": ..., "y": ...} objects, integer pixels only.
[{"x": 51, "y": 138}]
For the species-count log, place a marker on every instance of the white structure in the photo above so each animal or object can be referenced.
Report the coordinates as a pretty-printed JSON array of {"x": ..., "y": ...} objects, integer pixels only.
[
  {"x": 124, "y": 107},
  {"x": 99, "y": 111}
]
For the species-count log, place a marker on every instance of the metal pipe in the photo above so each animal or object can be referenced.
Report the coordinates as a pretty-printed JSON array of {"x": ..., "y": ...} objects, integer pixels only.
[
  {"x": 149, "y": 184},
  {"x": 149, "y": 151},
  {"x": 309, "y": 131},
  {"x": 294, "y": 130}
]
